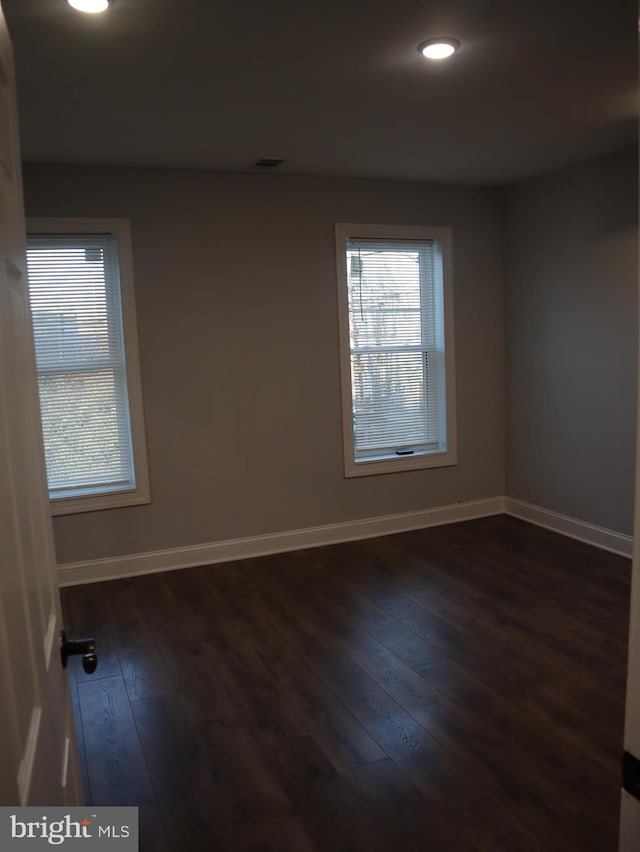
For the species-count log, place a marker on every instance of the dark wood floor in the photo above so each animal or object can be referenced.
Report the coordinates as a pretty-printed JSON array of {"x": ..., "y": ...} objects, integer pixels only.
[{"x": 457, "y": 688}]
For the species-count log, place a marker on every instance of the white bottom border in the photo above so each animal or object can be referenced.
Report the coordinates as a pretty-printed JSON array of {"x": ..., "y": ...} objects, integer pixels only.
[
  {"x": 571, "y": 527},
  {"x": 96, "y": 570}
]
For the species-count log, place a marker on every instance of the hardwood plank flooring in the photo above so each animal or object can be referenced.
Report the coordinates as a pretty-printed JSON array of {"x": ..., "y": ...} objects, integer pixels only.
[{"x": 456, "y": 689}]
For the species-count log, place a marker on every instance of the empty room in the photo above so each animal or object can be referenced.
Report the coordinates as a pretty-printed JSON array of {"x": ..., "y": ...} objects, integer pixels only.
[{"x": 318, "y": 418}]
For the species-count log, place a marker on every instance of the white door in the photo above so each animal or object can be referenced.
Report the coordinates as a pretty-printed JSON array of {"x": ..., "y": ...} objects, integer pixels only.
[
  {"x": 38, "y": 763},
  {"x": 630, "y": 811}
]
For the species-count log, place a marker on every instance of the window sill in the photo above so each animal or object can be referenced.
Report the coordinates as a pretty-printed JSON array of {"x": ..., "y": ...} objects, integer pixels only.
[
  {"x": 97, "y": 502},
  {"x": 396, "y": 464}
]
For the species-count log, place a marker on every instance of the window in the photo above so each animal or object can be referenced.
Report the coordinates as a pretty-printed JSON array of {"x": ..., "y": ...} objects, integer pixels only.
[
  {"x": 83, "y": 310},
  {"x": 396, "y": 335}
]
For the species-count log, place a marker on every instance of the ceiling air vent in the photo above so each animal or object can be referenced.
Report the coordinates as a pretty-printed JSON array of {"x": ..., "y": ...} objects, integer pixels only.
[{"x": 267, "y": 163}]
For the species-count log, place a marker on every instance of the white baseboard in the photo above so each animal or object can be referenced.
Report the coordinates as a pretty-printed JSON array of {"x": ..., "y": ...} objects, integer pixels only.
[
  {"x": 600, "y": 537},
  {"x": 95, "y": 570}
]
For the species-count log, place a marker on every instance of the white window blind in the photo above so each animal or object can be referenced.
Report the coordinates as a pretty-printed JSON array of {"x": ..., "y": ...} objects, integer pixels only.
[
  {"x": 80, "y": 355},
  {"x": 395, "y": 358}
]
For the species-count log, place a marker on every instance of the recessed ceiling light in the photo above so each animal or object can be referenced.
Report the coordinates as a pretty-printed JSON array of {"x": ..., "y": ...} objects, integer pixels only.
[
  {"x": 438, "y": 48},
  {"x": 91, "y": 7}
]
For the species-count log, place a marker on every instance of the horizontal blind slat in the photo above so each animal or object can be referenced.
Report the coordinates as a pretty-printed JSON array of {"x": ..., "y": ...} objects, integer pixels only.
[
  {"x": 392, "y": 324},
  {"x": 77, "y": 321}
]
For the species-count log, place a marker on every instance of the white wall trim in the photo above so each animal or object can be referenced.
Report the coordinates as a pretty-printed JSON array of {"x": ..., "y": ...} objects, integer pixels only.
[
  {"x": 151, "y": 562},
  {"x": 95, "y": 570},
  {"x": 597, "y": 536}
]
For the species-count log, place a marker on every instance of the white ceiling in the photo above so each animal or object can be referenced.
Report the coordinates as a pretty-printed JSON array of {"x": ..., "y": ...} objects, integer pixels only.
[{"x": 334, "y": 87}]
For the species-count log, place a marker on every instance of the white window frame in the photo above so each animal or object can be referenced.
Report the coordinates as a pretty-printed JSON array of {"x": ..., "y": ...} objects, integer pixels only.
[
  {"x": 110, "y": 499},
  {"x": 446, "y": 453}
]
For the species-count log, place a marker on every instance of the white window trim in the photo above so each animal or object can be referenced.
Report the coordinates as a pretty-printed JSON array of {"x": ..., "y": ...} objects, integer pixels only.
[
  {"x": 141, "y": 493},
  {"x": 438, "y": 458}
]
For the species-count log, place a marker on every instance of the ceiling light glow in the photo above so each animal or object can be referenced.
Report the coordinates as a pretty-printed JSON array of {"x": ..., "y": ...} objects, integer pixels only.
[
  {"x": 438, "y": 48},
  {"x": 91, "y": 7}
]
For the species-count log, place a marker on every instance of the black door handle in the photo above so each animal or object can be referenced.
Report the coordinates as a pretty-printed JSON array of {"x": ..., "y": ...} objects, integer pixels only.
[{"x": 86, "y": 647}]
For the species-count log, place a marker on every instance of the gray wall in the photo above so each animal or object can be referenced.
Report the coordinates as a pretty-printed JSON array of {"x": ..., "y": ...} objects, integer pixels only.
[
  {"x": 237, "y": 317},
  {"x": 572, "y": 282}
]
